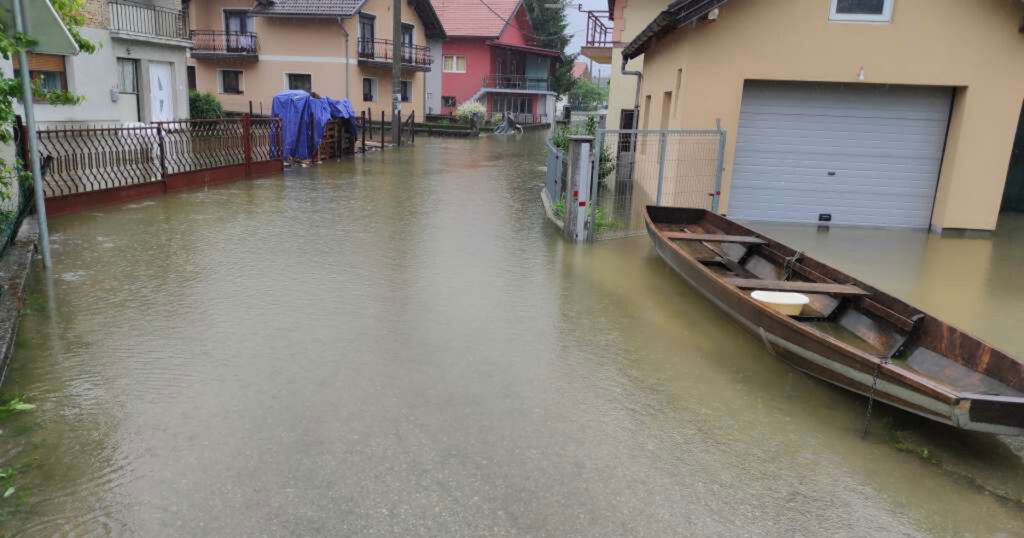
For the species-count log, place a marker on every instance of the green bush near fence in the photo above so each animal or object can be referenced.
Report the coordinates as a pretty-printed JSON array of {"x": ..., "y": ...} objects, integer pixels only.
[
  {"x": 561, "y": 141},
  {"x": 204, "y": 106}
]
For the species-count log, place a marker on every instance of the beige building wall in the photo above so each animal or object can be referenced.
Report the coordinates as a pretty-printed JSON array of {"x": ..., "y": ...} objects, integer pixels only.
[
  {"x": 973, "y": 46},
  {"x": 313, "y": 46},
  {"x": 631, "y": 16}
]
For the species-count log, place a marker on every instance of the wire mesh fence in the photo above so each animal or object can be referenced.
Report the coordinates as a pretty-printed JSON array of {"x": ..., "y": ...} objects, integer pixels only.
[{"x": 637, "y": 168}]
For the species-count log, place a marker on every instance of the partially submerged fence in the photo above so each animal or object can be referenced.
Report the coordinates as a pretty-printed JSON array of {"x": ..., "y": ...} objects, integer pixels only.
[
  {"x": 628, "y": 170},
  {"x": 88, "y": 161},
  {"x": 375, "y": 130}
]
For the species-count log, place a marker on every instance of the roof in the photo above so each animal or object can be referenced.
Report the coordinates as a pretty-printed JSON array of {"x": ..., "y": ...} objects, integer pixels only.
[
  {"x": 580, "y": 69},
  {"x": 526, "y": 48},
  {"x": 344, "y": 8},
  {"x": 677, "y": 14},
  {"x": 307, "y": 8},
  {"x": 475, "y": 18}
]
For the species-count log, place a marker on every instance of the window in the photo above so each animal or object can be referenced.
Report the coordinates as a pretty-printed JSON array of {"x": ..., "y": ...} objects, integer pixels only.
[
  {"x": 46, "y": 70},
  {"x": 237, "y": 26},
  {"x": 298, "y": 81},
  {"x": 231, "y": 81},
  {"x": 366, "y": 35},
  {"x": 454, "y": 64},
  {"x": 861, "y": 10},
  {"x": 406, "y": 91},
  {"x": 191, "y": 72},
  {"x": 369, "y": 89},
  {"x": 407, "y": 32},
  {"x": 448, "y": 101},
  {"x": 128, "y": 75}
]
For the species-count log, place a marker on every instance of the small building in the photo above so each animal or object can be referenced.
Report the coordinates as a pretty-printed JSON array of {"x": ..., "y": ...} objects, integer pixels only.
[
  {"x": 246, "y": 52},
  {"x": 893, "y": 113},
  {"x": 580, "y": 70},
  {"x": 136, "y": 74},
  {"x": 491, "y": 54}
]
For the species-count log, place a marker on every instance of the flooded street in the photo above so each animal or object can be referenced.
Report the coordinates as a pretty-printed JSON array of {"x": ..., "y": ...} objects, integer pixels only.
[{"x": 401, "y": 344}]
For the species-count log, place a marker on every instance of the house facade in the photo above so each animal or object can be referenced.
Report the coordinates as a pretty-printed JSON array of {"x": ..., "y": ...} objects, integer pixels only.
[
  {"x": 247, "y": 52},
  {"x": 606, "y": 33},
  {"x": 879, "y": 113},
  {"x": 491, "y": 56},
  {"x": 137, "y": 73}
]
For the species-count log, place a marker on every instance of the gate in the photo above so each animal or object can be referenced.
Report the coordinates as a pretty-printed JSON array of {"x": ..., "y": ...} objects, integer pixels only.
[{"x": 635, "y": 168}]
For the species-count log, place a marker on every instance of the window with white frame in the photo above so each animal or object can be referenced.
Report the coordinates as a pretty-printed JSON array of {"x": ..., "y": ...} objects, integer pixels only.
[
  {"x": 128, "y": 75},
  {"x": 230, "y": 81},
  {"x": 369, "y": 89},
  {"x": 454, "y": 64},
  {"x": 300, "y": 81},
  {"x": 861, "y": 10}
]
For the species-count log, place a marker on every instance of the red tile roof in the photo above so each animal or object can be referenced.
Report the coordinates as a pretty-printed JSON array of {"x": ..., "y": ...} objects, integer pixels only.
[{"x": 472, "y": 18}]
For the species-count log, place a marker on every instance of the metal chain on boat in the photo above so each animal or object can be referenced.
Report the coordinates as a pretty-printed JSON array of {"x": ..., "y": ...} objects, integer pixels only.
[
  {"x": 871, "y": 398},
  {"x": 788, "y": 265}
]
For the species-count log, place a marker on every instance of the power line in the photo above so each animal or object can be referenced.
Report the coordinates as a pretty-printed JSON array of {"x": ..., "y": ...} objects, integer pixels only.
[{"x": 509, "y": 22}]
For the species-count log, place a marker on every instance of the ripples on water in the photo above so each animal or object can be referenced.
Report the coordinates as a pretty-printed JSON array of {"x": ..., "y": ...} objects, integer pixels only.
[{"x": 399, "y": 344}]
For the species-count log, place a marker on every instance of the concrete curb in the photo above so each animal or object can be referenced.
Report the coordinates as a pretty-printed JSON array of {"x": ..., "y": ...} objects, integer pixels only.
[
  {"x": 549, "y": 210},
  {"x": 14, "y": 268}
]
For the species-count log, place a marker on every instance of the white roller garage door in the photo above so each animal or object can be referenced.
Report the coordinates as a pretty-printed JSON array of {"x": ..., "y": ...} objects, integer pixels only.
[{"x": 862, "y": 154}]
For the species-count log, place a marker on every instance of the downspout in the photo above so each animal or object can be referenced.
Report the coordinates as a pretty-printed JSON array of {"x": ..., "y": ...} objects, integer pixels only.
[
  {"x": 636, "y": 101},
  {"x": 341, "y": 24}
]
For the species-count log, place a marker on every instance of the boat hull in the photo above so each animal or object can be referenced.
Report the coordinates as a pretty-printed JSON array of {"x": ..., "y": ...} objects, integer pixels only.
[{"x": 820, "y": 357}]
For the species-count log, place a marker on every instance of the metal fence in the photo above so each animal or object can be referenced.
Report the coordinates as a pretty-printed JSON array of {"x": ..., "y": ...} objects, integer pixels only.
[
  {"x": 90, "y": 159},
  {"x": 636, "y": 168}
]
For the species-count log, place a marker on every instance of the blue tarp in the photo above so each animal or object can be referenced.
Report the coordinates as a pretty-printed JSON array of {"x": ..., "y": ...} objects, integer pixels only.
[{"x": 297, "y": 109}]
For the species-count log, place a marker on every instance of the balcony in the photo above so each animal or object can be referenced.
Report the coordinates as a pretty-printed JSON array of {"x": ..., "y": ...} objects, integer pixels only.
[
  {"x": 379, "y": 52},
  {"x": 212, "y": 44},
  {"x": 599, "y": 38},
  {"x": 134, "y": 20},
  {"x": 517, "y": 83}
]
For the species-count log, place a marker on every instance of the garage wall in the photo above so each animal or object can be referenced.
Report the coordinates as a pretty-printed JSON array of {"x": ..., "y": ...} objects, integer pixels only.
[
  {"x": 849, "y": 153},
  {"x": 973, "y": 46}
]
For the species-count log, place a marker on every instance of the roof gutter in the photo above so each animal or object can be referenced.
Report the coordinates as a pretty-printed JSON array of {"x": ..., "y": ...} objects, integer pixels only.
[{"x": 677, "y": 14}]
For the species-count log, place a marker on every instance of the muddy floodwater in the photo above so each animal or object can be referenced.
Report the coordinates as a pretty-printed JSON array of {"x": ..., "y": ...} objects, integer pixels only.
[{"x": 400, "y": 345}]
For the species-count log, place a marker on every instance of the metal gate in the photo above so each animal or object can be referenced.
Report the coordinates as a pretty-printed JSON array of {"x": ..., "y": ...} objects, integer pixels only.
[{"x": 636, "y": 168}]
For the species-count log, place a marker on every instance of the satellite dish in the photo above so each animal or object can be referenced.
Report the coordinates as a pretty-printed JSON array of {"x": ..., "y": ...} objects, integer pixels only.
[{"x": 43, "y": 24}]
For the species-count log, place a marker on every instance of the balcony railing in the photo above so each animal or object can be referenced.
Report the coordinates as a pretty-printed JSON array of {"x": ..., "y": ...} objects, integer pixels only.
[
  {"x": 381, "y": 50},
  {"x": 147, "y": 20},
  {"x": 216, "y": 43},
  {"x": 599, "y": 29},
  {"x": 517, "y": 82}
]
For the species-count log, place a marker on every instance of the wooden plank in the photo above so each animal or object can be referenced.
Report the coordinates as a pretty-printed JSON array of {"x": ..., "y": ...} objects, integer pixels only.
[
  {"x": 787, "y": 285},
  {"x": 715, "y": 238},
  {"x": 888, "y": 315}
]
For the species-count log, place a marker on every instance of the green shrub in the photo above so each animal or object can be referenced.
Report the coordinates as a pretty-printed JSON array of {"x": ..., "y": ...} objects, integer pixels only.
[
  {"x": 204, "y": 106},
  {"x": 561, "y": 141},
  {"x": 468, "y": 110}
]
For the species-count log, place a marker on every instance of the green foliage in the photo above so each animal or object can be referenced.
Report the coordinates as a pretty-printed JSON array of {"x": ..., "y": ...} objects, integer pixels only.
[
  {"x": 468, "y": 110},
  {"x": 587, "y": 95},
  {"x": 10, "y": 86},
  {"x": 13, "y": 406},
  {"x": 549, "y": 28},
  {"x": 204, "y": 106},
  {"x": 561, "y": 141}
]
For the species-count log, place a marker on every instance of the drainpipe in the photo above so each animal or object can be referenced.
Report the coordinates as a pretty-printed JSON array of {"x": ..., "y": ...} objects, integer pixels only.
[
  {"x": 341, "y": 24},
  {"x": 639, "y": 85}
]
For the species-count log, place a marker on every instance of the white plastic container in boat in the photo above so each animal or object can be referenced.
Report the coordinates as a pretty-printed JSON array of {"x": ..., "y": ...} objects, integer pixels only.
[{"x": 784, "y": 302}]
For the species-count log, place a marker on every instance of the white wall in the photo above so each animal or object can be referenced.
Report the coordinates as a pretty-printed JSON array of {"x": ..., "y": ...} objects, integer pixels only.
[{"x": 433, "y": 78}]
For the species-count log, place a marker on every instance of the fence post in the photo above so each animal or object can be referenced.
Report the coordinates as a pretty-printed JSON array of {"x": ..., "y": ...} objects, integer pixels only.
[
  {"x": 163, "y": 150},
  {"x": 412, "y": 125},
  {"x": 595, "y": 182},
  {"x": 364, "y": 127},
  {"x": 381, "y": 129},
  {"x": 717, "y": 195},
  {"x": 579, "y": 185},
  {"x": 247, "y": 143},
  {"x": 279, "y": 133},
  {"x": 661, "y": 166},
  {"x": 398, "y": 142}
]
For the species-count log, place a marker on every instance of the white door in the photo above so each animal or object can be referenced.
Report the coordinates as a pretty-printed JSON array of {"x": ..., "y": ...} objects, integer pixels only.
[
  {"x": 161, "y": 92},
  {"x": 858, "y": 154}
]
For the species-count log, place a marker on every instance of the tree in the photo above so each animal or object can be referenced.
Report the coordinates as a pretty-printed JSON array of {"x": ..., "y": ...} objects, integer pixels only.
[
  {"x": 549, "y": 29},
  {"x": 587, "y": 95},
  {"x": 10, "y": 86}
]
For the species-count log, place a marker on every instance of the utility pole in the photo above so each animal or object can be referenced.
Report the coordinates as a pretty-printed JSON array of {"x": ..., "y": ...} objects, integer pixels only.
[{"x": 396, "y": 73}]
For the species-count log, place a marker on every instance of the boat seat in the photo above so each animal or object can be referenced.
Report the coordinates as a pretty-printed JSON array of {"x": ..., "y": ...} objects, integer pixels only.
[
  {"x": 716, "y": 238},
  {"x": 796, "y": 286}
]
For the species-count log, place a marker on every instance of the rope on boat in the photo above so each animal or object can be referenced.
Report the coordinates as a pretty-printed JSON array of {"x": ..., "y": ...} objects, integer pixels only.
[
  {"x": 788, "y": 265},
  {"x": 871, "y": 398}
]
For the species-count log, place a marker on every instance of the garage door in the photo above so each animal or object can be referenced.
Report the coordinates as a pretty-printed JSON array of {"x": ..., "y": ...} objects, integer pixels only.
[{"x": 856, "y": 154}]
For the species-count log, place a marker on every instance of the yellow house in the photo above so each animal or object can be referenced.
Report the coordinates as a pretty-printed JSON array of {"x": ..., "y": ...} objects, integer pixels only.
[
  {"x": 245, "y": 52},
  {"x": 863, "y": 112}
]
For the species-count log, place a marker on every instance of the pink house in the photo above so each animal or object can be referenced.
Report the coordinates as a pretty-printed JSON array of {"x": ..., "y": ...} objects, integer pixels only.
[{"x": 490, "y": 55}]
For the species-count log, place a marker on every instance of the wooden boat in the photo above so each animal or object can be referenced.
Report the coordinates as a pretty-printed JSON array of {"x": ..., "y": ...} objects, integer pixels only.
[{"x": 850, "y": 334}]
